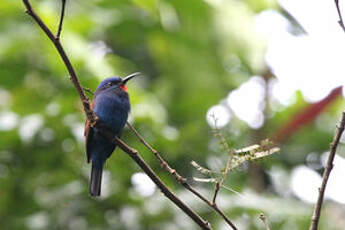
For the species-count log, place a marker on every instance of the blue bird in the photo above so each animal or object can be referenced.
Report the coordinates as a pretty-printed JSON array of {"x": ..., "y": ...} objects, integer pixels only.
[{"x": 111, "y": 105}]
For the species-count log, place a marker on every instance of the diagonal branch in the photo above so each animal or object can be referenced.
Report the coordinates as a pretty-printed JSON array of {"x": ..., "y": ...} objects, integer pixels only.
[
  {"x": 164, "y": 189},
  {"x": 177, "y": 176},
  {"x": 57, "y": 36},
  {"x": 180, "y": 179},
  {"x": 333, "y": 148},
  {"x": 103, "y": 129},
  {"x": 341, "y": 22},
  {"x": 65, "y": 59}
]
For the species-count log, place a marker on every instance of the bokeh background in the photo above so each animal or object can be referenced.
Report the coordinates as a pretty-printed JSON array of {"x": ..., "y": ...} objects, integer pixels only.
[{"x": 264, "y": 68}]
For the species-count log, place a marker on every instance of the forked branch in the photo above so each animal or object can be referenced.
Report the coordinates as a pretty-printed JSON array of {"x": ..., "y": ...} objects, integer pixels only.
[
  {"x": 180, "y": 179},
  {"x": 102, "y": 128}
]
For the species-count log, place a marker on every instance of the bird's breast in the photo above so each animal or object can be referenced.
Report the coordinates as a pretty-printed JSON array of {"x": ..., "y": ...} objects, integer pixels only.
[{"x": 112, "y": 110}]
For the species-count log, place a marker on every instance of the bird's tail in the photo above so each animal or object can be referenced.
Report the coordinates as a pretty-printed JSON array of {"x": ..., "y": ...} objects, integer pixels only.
[{"x": 96, "y": 180}]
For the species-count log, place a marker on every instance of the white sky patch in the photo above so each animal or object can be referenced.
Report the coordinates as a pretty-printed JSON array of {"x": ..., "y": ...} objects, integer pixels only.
[
  {"x": 53, "y": 109},
  {"x": 51, "y": 197},
  {"x": 170, "y": 133},
  {"x": 38, "y": 220},
  {"x": 312, "y": 63},
  {"x": 154, "y": 205},
  {"x": 317, "y": 17},
  {"x": 106, "y": 17},
  {"x": 313, "y": 161},
  {"x": 315, "y": 69},
  {"x": 143, "y": 184},
  {"x": 284, "y": 95},
  {"x": 247, "y": 102},
  {"x": 70, "y": 119},
  {"x": 281, "y": 180},
  {"x": 68, "y": 145},
  {"x": 271, "y": 23},
  {"x": 91, "y": 53},
  {"x": 47, "y": 134},
  {"x": 97, "y": 61},
  {"x": 305, "y": 183},
  {"x": 78, "y": 131},
  {"x": 130, "y": 218},
  {"x": 151, "y": 108},
  {"x": 106, "y": 185},
  {"x": 73, "y": 122},
  {"x": 6, "y": 97},
  {"x": 169, "y": 17},
  {"x": 8, "y": 120},
  {"x": 29, "y": 126},
  {"x": 100, "y": 49},
  {"x": 218, "y": 116}
]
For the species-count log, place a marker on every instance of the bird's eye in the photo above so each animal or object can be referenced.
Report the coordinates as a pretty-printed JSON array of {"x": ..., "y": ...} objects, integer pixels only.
[{"x": 110, "y": 83}]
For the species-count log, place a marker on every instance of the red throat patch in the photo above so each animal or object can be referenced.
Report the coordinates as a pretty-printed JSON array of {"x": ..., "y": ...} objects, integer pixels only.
[{"x": 124, "y": 88}]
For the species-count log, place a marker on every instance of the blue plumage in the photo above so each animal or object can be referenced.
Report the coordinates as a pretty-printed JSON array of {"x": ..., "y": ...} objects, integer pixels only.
[{"x": 111, "y": 105}]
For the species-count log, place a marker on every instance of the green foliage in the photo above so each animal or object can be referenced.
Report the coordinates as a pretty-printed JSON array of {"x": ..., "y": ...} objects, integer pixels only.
[{"x": 192, "y": 54}]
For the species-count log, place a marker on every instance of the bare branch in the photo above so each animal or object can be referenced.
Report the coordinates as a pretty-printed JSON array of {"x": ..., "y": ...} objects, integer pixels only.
[
  {"x": 179, "y": 178},
  {"x": 230, "y": 153},
  {"x": 216, "y": 190},
  {"x": 57, "y": 36},
  {"x": 341, "y": 22},
  {"x": 333, "y": 148},
  {"x": 65, "y": 59},
  {"x": 164, "y": 189},
  {"x": 103, "y": 129}
]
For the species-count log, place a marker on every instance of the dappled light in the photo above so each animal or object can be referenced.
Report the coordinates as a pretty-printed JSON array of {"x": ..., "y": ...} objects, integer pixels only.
[{"x": 231, "y": 116}]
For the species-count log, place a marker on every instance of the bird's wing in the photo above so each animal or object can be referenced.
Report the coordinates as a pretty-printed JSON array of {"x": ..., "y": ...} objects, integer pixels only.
[{"x": 88, "y": 133}]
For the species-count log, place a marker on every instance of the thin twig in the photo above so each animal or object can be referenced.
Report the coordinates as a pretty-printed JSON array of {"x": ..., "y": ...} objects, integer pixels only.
[
  {"x": 103, "y": 129},
  {"x": 164, "y": 189},
  {"x": 333, "y": 148},
  {"x": 341, "y": 22},
  {"x": 57, "y": 36},
  {"x": 216, "y": 190},
  {"x": 73, "y": 77},
  {"x": 263, "y": 218},
  {"x": 88, "y": 90},
  {"x": 163, "y": 163},
  {"x": 179, "y": 178},
  {"x": 230, "y": 152}
]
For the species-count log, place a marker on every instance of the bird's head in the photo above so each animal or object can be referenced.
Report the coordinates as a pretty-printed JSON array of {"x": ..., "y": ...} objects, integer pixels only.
[{"x": 116, "y": 83}]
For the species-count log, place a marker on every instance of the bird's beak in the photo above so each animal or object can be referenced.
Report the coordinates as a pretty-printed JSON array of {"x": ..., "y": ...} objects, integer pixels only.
[{"x": 129, "y": 77}]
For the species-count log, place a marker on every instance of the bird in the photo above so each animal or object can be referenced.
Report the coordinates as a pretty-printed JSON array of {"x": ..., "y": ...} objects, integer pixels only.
[{"x": 111, "y": 104}]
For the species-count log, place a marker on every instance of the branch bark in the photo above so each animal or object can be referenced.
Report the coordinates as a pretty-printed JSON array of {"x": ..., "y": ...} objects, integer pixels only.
[
  {"x": 57, "y": 36},
  {"x": 333, "y": 148},
  {"x": 341, "y": 22},
  {"x": 101, "y": 127},
  {"x": 182, "y": 180}
]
